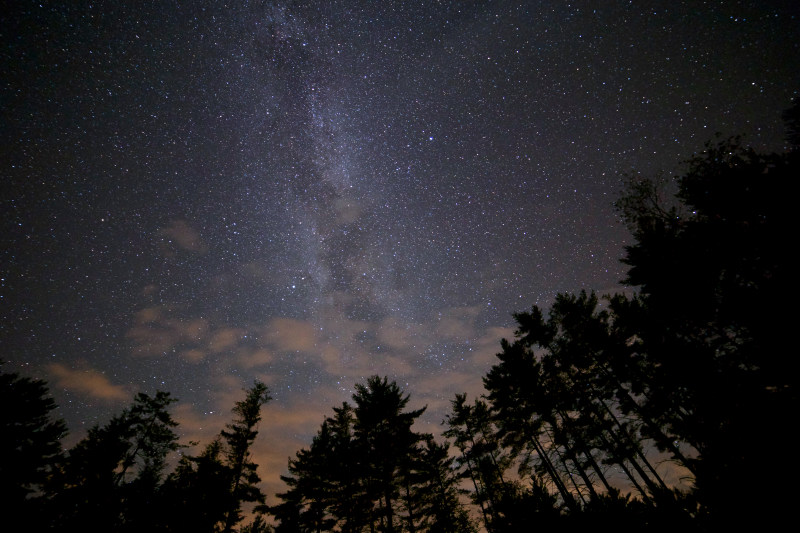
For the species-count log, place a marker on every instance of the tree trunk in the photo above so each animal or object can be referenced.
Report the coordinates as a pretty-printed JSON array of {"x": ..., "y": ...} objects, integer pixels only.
[
  {"x": 630, "y": 403},
  {"x": 478, "y": 491},
  {"x": 569, "y": 475},
  {"x": 389, "y": 511},
  {"x": 569, "y": 501},
  {"x": 621, "y": 462},
  {"x": 581, "y": 447},
  {"x": 637, "y": 451},
  {"x": 409, "y": 504}
]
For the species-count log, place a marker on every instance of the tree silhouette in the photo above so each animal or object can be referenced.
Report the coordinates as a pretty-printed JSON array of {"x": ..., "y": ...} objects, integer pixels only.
[
  {"x": 239, "y": 437},
  {"x": 437, "y": 491},
  {"x": 110, "y": 479},
  {"x": 709, "y": 329},
  {"x": 352, "y": 505},
  {"x": 29, "y": 447},
  {"x": 791, "y": 117},
  {"x": 687, "y": 365},
  {"x": 205, "y": 493},
  {"x": 558, "y": 383},
  {"x": 115, "y": 479},
  {"x": 486, "y": 464},
  {"x": 383, "y": 433},
  {"x": 196, "y": 494},
  {"x": 313, "y": 475},
  {"x": 366, "y": 469}
]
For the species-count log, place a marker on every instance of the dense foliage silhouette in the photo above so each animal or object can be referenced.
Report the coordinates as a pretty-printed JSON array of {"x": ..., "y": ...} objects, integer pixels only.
[
  {"x": 30, "y": 447},
  {"x": 366, "y": 470},
  {"x": 115, "y": 479}
]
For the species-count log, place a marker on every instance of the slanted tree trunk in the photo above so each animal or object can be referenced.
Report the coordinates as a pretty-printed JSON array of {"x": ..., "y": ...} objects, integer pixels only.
[
  {"x": 569, "y": 501},
  {"x": 637, "y": 450},
  {"x": 479, "y": 491},
  {"x": 630, "y": 403},
  {"x": 581, "y": 447}
]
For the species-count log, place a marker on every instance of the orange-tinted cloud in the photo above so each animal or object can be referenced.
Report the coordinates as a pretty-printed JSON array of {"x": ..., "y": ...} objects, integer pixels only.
[
  {"x": 484, "y": 350},
  {"x": 252, "y": 358},
  {"x": 88, "y": 382},
  {"x": 457, "y": 323},
  {"x": 225, "y": 339},
  {"x": 290, "y": 335},
  {"x": 193, "y": 355},
  {"x": 397, "y": 335},
  {"x": 182, "y": 235},
  {"x": 154, "y": 334}
]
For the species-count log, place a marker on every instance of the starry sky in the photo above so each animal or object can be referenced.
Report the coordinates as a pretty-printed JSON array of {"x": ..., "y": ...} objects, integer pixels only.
[{"x": 199, "y": 194}]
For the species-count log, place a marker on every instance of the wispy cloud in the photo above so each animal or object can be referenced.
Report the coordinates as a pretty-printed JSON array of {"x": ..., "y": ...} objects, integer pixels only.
[
  {"x": 291, "y": 335},
  {"x": 88, "y": 382},
  {"x": 457, "y": 323},
  {"x": 225, "y": 339},
  {"x": 155, "y": 332},
  {"x": 254, "y": 357},
  {"x": 180, "y": 234}
]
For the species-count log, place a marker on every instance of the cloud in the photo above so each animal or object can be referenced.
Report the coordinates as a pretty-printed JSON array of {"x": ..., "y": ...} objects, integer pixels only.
[
  {"x": 148, "y": 315},
  {"x": 290, "y": 335},
  {"x": 183, "y": 236},
  {"x": 331, "y": 357},
  {"x": 225, "y": 339},
  {"x": 197, "y": 426},
  {"x": 251, "y": 358},
  {"x": 193, "y": 355},
  {"x": 397, "y": 335},
  {"x": 89, "y": 382},
  {"x": 483, "y": 352},
  {"x": 454, "y": 324},
  {"x": 154, "y": 334},
  {"x": 457, "y": 323}
]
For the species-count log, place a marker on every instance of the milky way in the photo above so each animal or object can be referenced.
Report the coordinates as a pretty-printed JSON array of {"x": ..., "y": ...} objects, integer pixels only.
[{"x": 310, "y": 193}]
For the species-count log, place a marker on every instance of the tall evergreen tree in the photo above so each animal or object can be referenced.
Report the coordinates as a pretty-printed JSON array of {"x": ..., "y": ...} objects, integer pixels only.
[
  {"x": 206, "y": 493},
  {"x": 364, "y": 471},
  {"x": 437, "y": 491},
  {"x": 311, "y": 498},
  {"x": 110, "y": 479},
  {"x": 196, "y": 494},
  {"x": 383, "y": 431},
  {"x": 351, "y": 503},
  {"x": 239, "y": 436},
  {"x": 485, "y": 463},
  {"x": 516, "y": 388},
  {"x": 30, "y": 447}
]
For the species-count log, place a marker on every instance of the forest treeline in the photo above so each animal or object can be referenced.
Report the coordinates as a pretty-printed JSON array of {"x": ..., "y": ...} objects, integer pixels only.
[
  {"x": 116, "y": 479},
  {"x": 583, "y": 413}
]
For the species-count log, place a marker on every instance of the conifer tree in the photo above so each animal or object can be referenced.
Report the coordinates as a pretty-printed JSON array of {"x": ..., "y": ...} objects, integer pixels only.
[
  {"x": 111, "y": 478},
  {"x": 239, "y": 436},
  {"x": 363, "y": 470},
  {"x": 712, "y": 272},
  {"x": 30, "y": 447}
]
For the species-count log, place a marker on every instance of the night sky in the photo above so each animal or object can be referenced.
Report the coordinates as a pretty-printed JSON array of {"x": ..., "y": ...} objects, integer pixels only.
[{"x": 195, "y": 194}]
